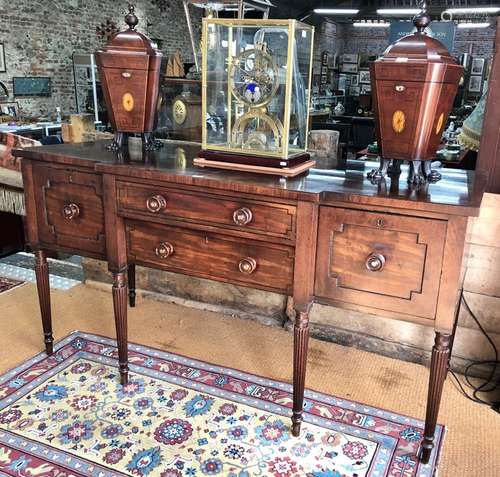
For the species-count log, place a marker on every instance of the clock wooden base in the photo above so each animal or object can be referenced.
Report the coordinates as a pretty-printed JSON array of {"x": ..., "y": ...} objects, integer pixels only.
[
  {"x": 260, "y": 161},
  {"x": 275, "y": 171}
]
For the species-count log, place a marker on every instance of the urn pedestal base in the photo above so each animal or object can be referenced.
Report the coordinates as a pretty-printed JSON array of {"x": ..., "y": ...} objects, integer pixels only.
[
  {"x": 420, "y": 171},
  {"x": 149, "y": 143}
]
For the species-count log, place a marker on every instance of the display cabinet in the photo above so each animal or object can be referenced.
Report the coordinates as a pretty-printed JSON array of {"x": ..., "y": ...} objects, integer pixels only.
[{"x": 257, "y": 79}]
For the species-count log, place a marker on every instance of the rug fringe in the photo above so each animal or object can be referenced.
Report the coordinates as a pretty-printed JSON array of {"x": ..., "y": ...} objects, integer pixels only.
[{"x": 12, "y": 201}]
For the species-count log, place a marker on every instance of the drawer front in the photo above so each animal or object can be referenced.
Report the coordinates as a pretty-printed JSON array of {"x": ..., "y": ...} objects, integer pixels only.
[
  {"x": 384, "y": 261},
  {"x": 252, "y": 216},
  {"x": 69, "y": 209},
  {"x": 214, "y": 256}
]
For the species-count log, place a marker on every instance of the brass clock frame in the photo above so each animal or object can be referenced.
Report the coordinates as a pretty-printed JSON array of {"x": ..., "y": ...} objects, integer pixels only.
[{"x": 286, "y": 150}]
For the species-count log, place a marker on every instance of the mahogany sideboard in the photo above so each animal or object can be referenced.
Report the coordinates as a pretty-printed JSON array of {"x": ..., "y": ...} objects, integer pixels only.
[{"x": 330, "y": 236}]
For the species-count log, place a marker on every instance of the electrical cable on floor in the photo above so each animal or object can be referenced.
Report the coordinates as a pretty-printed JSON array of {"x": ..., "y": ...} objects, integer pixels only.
[{"x": 489, "y": 384}]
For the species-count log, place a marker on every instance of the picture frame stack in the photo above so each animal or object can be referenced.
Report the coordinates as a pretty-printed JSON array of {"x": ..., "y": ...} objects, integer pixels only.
[
  {"x": 354, "y": 76},
  {"x": 477, "y": 76}
]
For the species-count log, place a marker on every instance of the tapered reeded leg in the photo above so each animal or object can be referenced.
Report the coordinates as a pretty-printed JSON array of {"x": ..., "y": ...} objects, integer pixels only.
[
  {"x": 120, "y": 293},
  {"x": 131, "y": 285},
  {"x": 439, "y": 369},
  {"x": 42, "y": 283},
  {"x": 300, "y": 344}
]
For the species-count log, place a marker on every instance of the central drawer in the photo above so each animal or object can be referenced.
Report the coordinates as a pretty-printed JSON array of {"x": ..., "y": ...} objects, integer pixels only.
[
  {"x": 210, "y": 255},
  {"x": 255, "y": 216}
]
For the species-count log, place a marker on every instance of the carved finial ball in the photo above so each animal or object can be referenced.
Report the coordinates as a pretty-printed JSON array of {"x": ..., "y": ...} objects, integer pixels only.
[
  {"x": 131, "y": 19},
  {"x": 422, "y": 21}
]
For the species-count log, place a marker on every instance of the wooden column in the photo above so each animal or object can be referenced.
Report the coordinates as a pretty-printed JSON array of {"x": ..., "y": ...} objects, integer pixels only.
[
  {"x": 300, "y": 346},
  {"x": 116, "y": 249},
  {"x": 303, "y": 295},
  {"x": 131, "y": 284},
  {"x": 439, "y": 369},
  {"x": 120, "y": 293},
  {"x": 43, "y": 286}
]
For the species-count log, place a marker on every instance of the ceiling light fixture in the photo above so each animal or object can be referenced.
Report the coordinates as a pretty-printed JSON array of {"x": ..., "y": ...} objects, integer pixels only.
[
  {"x": 398, "y": 11},
  {"x": 372, "y": 24},
  {"x": 473, "y": 25},
  {"x": 336, "y": 11},
  {"x": 473, "y": 10}
]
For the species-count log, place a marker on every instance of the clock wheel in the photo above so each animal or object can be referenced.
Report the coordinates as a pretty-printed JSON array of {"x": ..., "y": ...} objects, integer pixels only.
[{"x": 254, "y": 77}]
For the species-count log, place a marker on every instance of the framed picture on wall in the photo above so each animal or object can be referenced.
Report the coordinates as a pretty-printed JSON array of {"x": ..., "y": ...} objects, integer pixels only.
[
  {"x": 478, "y": 66},
  {"x": 354, "y": 90},
  {"x": 475, "y": 84},
  {"x": 366, "y": 89},
  {"x": 364, "y": 77},
  {"x": 324, "y": 58},
  {"x": 343, "y": 82},
  {"x": 349, "y": 68},
  {"x": 3, "y": 68},
  {"x": 354, "y": 80},
  {"x": 10, "y": 108},
  {"x": 350, "y": 58},
  {"x": 334, "y": 61}
]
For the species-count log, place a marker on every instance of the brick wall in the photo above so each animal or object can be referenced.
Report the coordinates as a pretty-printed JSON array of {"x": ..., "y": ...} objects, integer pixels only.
[{"x": 39, "y": 38}]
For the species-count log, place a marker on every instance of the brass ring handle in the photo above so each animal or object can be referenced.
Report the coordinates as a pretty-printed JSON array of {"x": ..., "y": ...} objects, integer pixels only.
[
  {"x": 164, "y": 250},
  {"x": 156, "y": 203},
  {"x": 375, "y": 262},
  {"x": 242, "y": 216},
  {"x": 70, "y": 211},
  {"x": 247, "y": 265}
]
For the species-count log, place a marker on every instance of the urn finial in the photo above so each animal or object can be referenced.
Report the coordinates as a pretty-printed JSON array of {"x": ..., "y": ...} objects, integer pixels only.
[
  {"x": 131, "y": 19},
  {"x": 422, "y": 19}
]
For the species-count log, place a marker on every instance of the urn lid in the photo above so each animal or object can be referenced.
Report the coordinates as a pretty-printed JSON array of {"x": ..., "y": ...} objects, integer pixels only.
[
  {"x": 418, "y": 47},
  {"x": 130, "y": 40}
]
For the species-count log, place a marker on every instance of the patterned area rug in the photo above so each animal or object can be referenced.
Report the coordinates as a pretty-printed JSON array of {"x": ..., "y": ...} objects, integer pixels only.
[
  {"x": 8, "y": 284},
  {"x": 67, "y": 415}
]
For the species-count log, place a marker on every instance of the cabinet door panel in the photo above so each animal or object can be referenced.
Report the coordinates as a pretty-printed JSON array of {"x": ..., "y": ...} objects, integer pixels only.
[
  {"x": 69, "y": 209},
  {"x": 384, "y": 261}
]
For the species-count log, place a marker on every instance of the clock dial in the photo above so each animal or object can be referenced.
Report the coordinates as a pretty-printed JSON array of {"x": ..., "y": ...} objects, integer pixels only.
[
  {"x": 254, "y": 77},
  {"x": 179, "y": 111},
  {"x": 398, "y": 121}
]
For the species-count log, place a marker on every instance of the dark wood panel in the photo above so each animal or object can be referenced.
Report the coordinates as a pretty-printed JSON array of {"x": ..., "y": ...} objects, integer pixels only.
[
  {"x": 243, "y": 214},
  {"x": 383, "y": 261},
  {"x": 209, "y": 255},
  {"x": 69, "y": 209}
]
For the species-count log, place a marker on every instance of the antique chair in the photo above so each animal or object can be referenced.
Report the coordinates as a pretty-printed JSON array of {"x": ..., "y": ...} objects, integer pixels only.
[{"x": 11, "y": 193}]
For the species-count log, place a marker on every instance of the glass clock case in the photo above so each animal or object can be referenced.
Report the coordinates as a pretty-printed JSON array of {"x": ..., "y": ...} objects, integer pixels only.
[{"x": 256, "y": 86}]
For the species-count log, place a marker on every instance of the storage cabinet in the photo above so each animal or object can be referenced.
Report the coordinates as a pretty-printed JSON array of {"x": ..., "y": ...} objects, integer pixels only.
[
  {"x": 70, "y": 209},
  {"x": 380, "y": 260}
]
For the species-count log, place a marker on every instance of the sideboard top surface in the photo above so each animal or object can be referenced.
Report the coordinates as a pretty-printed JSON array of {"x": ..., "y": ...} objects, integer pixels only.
[{"x": 458, "y": 193}]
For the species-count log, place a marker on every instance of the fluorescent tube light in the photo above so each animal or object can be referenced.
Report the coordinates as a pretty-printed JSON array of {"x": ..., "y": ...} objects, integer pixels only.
[
  {"x": 336, "y": 11},
  {"x": 398, "y": 11},
  {"x": 473, "y": 10},
  {"x": 372, "y": 24},
  {"x": 473, "y": 25}
]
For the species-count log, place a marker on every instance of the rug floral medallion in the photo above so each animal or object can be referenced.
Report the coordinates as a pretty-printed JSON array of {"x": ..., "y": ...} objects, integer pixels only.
[{"x": 67, "y": 415}]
